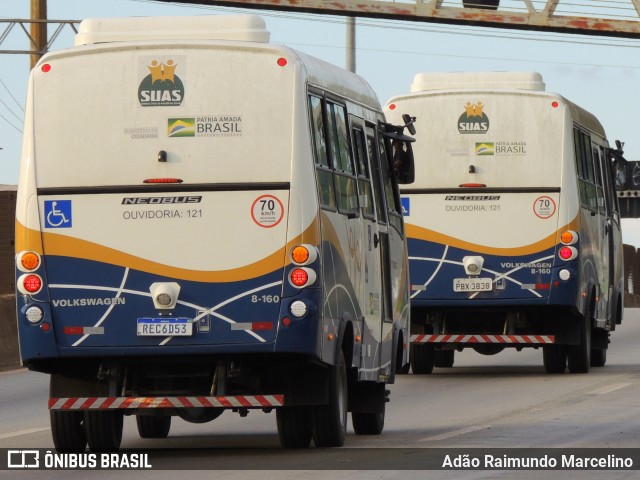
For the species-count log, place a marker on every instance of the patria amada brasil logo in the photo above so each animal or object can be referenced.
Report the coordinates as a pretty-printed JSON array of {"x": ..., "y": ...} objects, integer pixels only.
[
  {"x": 181, "y": 127},
  {"x": 473, "y": 120},
  {"x": 162, "y": 87}
]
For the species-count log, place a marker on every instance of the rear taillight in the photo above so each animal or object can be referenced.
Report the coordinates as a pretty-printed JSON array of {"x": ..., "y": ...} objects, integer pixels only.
[
  {"x": 567, "y": 253},
  {"x": 29, "y": 284},
  {"x": 302, "y": 256},
  {"x": 302, "y": 277},
  {"x": 299, "y": 277},
  {"x": 27, "y": 261},
  {"x": 569, "y": 237}
]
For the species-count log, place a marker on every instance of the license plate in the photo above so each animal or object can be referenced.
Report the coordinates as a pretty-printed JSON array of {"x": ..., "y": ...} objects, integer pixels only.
[
  {"x": 164, "y": 327},
  {"x": 472, "y": 284}
]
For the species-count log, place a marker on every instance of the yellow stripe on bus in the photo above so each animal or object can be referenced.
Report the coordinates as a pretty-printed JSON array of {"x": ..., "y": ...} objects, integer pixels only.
[
  {"x": 420, "y": 233},
  {"x": 62, "y": 245},
  {"x": 28, "y": 239}
]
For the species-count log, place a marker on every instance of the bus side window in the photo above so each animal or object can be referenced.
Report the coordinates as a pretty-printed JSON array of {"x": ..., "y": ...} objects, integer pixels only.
[
  {"x": 580, "y": 168},
  {"x": 391, "y": 193},
  {"x": 372, "y": 149},
  {"x": 592, "y": 195},
  {"x": 344, "y": 172},
  {"x": 599, "y": 185},
  {"x": 585, "y": 170},
  {"x": 364, "y": 178},
  {"x": 324, "y": 173}
]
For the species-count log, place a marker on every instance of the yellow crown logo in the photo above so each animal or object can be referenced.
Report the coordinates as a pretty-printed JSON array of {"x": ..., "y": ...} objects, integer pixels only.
[
  {"x": 474, "y": 110},
  {"x": 162, "y": 71}
]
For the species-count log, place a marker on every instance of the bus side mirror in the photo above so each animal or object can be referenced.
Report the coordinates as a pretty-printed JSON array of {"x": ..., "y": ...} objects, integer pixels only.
[
  {"x": 411, "y": 170},
  {"x": 404, "y": 167},
  {"x": 408, "y": 123}
]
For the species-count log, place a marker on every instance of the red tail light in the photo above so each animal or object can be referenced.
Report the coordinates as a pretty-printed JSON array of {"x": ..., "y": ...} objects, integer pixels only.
[
  {"x": 30, "y": 283},
  {"x": 567, "y": 253},
  {"x": 299, "y": 277},
  {"x": 302, "y": 277}
]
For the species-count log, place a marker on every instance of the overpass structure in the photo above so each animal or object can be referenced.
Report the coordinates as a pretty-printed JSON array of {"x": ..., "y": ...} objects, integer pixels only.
[{"x": 615, "y": 18}]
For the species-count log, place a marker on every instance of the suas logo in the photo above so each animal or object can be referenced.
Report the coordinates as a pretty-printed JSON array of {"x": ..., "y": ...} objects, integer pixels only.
[
  {"x": 473, "y": 120},
  {"x": 161, "y": 87}
]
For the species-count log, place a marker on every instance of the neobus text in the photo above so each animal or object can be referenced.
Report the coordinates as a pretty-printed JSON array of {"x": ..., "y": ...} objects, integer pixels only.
[{"x": 160, "y": 200}]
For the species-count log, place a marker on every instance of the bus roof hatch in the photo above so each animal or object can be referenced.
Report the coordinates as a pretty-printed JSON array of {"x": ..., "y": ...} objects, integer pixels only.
[
  {"x": 247, "y": 28},
  {"x": 477, "y": 81}
]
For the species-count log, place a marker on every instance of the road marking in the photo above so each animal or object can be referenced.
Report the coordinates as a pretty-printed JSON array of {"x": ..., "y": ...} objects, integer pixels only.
[
  {"x": 23, "y": 432},
  {"x": 608, "y": 388},
  {"x": 455, "y": 433}
]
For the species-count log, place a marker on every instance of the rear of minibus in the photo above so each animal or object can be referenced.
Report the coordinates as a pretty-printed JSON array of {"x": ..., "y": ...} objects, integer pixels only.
[
  {"x": 155, "y": 191},
  {"x": 494, "y": 192}
]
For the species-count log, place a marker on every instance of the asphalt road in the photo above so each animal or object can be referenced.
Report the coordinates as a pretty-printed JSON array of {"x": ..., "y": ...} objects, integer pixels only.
[{"x": 504, "y": 401}]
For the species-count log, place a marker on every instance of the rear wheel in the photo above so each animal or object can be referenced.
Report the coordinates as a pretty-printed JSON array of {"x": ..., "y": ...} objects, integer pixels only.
[
  {"x": 67, "y": 430},
  {"x": 330, "y": 421},
  {"x": 422, "y": 358},
  {"x": 371, "y": 422},
  {"x": 579, "y": 356},
  {"x": 153, "y": 426},
  {"x": 598, "y": 357},
  {"x": 444, "y": 358},
  {"x": 367, "y": 423},
  {"x": 554, "y": 358},
  {"x": 293, "y": 427},
  {"x": 401, "y": 369},
  {"x": 599, "y": 346},
  {"x": 104, "y": 430}
]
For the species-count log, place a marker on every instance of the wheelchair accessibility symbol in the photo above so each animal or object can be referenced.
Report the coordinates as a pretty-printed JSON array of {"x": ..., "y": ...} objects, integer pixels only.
[
  {"x": 406, "y": 206},
  {"x": 57, "y": 213}
]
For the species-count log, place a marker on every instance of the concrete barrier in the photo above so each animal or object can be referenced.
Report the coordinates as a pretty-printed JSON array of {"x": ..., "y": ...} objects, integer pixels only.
[{"x": 9, "y": 352}]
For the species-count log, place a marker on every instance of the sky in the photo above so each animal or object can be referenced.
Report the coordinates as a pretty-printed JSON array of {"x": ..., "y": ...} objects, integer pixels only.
[{"x": 601, "y": 74}]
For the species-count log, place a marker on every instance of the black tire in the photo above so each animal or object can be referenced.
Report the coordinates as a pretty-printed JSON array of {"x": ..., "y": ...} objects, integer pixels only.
[
  {"x": 422, "y": 359},
  {"x": 401, "y": 369},
  {"x": 444, "y": 358},
  {"x": 579, "y": 356},
  {"x": 293, "y": 427},
  {"x": 153, "y": 426},
  {"x": 329, "y": 423},
  {"x": 599, "y": 345},
  {"x": 371, "y": 423},
  {"x": 104, "y": 430},
  {"x": 199, "y": 414},
  {"x": 67, "y": 430},
  {"x": 598, "y": 357},
  {"x": 367, "y": 423},
  {"x": 554, "y": 358}
]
